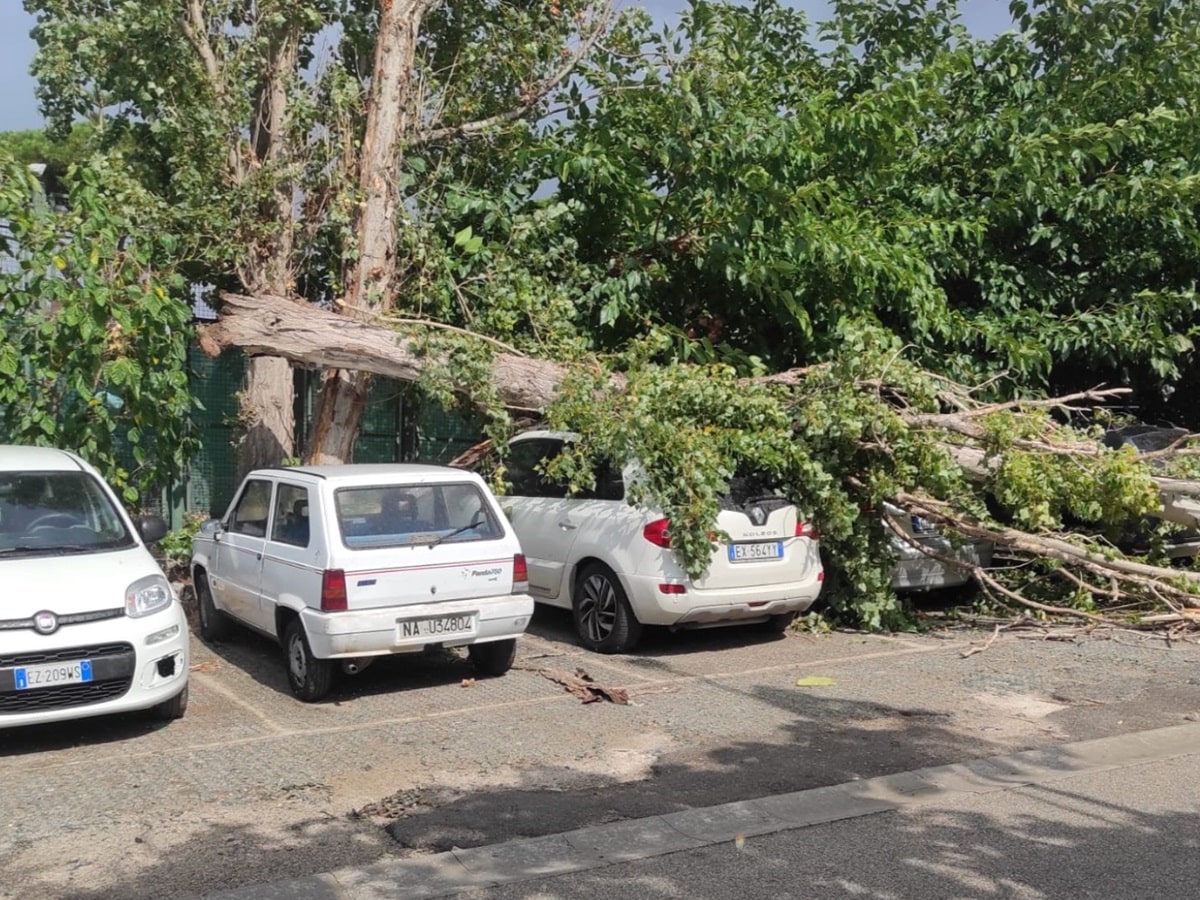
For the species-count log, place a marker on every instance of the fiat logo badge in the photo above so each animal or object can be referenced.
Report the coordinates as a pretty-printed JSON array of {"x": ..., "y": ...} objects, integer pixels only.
[{"x": 45, "y": 622}]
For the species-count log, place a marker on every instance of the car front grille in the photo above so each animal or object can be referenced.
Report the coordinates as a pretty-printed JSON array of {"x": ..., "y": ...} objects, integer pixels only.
[{"x": 112, "y": 672}]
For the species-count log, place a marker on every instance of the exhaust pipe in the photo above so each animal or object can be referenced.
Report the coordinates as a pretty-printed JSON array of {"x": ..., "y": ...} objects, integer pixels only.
[{"x": 354, "y": 666}]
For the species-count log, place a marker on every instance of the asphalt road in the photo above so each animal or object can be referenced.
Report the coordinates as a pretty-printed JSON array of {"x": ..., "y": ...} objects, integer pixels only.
[
  {"x": 1132, "y": 832},
  {"x": 253, "y": 786}
]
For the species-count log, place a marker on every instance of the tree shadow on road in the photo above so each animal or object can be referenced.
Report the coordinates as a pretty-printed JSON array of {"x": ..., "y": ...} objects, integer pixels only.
[
  {"x": 1056, "y": 843},
  {"x": 828, "y": 741}
]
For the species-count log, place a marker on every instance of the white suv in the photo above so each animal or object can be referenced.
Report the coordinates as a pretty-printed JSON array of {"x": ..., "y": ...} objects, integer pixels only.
[
  {"x": 612, "y": 564},
  {"x": 343, "y": 564},
  {"x": 88, "y": 624}
]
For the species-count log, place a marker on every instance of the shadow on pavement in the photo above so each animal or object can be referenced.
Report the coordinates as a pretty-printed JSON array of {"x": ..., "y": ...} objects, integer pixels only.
[{"x": 829, "y": 742}]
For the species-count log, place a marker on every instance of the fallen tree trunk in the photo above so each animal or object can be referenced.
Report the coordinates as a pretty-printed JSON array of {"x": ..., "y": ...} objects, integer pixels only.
[{"x": 312, "y": 337}]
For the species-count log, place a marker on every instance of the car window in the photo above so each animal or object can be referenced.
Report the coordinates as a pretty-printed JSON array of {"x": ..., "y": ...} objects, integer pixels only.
[
  {"x": 399, "y": 515},
  {"x": 290, "y": 523},
  {"x": 525, "y": 460},
  {"x": 250, "y": 515},
  {"x": 44, "y": 511},
  {"x": 609, "y": 484}
]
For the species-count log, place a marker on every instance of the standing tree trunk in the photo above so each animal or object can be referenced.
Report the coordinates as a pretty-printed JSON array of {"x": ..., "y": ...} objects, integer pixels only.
[
  {"x": 370, "y": 282},
  {"x": 267, "y": 409}
]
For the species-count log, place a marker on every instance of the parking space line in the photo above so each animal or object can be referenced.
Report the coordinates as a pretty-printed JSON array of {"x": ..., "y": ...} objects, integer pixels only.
[
  {"x": 557, "y": 697},
  {"x": 279, "y": 731},
  {"x": 783, "y": 667},
  {"x": 212, "y": 684}
]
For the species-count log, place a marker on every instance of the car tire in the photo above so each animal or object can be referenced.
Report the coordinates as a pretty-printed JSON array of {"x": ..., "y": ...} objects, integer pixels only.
[
  {"x": 604, "y": 620},
  {"x": 214, "y": 624},
  {"x": 781, "y": 623},
  {"x": 494, "y": 657},
  {"x": 173, "y": 708},
  {"x": 309, "y": 678}
]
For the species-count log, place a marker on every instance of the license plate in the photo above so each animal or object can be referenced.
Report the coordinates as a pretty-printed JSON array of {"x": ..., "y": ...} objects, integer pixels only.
[
  {"x": 52, "y": 674},
  {"x": 436, "y": 627},
  {"x": 752, "y": 552}
]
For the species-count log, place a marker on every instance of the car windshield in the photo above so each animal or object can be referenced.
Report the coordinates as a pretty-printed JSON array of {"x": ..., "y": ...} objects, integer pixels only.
[
  {"x": 395, "y": 515},
  {"x": 45, "y": 513}
]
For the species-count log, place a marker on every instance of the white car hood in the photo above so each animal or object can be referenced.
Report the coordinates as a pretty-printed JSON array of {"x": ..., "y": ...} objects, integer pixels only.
[{"x": 76, "y": 583}]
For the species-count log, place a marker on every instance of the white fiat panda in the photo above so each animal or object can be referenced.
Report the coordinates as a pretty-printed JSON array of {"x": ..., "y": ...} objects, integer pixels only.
[
  {"x": 88, "y": 623},
  {"x": 344, "y": 564}
]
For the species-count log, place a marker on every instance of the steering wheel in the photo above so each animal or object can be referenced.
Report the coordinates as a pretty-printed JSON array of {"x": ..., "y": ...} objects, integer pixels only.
[{"x": 55, "y": 520}]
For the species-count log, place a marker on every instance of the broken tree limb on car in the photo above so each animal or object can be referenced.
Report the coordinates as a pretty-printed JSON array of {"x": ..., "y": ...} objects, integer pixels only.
[{"x": 920, "y": 437}]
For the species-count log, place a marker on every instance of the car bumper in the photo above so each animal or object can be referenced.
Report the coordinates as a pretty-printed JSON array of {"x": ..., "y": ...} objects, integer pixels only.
[
  {"x": 375, "y": 632},
  {"x": 156, "y": 672},
  {"x": 699, "y": 608},
  {"x": 914, "y": 571}
]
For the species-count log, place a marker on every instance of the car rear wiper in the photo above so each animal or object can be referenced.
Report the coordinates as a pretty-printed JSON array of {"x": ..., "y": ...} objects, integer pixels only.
[{"x": 475, "y": 523}]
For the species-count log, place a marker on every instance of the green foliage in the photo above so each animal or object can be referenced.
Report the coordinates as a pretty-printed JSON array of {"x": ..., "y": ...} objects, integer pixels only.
[
  {"x": 94, "y": 354},
  {"x": 176, "y": 546},
  {"x": 1023, "y": 204},
  {"x": 839, "y": 450}
]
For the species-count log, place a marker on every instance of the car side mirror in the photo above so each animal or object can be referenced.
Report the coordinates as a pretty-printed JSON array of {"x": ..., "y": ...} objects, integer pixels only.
[
  {"x": 152, "y": 528},
  {"x": 211, "y": 528}
]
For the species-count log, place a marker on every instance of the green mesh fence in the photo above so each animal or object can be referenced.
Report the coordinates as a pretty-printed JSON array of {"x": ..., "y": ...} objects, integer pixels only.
[
  {"x": 443, "y": 434},
  {"x": 209, "y": 483},
  {"x": 400, "y": 424}
]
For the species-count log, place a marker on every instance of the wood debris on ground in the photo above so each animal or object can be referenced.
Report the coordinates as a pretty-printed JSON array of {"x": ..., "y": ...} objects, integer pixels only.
[{"x": 583, "y": 686}]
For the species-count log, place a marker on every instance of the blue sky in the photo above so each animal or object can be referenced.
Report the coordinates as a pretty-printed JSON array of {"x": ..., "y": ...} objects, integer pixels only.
[{"x": 18, "y": 106}]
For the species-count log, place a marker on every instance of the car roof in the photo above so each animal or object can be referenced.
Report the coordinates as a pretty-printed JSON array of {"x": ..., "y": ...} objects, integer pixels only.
[
  {"x": 18, "y": 458},
  {"x": 372, "y": 473}
]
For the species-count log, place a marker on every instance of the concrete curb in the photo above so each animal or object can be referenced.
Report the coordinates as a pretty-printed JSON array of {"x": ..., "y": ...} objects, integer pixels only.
[{"x": 444, "y": 874}]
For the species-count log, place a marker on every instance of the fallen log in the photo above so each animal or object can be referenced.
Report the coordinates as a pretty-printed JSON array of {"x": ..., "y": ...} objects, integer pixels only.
[
  {"x": 308, "y": 336},
  {"x": 312, "y": 337}
]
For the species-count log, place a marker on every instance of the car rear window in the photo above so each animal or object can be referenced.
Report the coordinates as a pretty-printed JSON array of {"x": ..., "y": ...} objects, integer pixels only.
[
  {"x": 400, "y": 515},
  {"x": 746, "y": 490}
]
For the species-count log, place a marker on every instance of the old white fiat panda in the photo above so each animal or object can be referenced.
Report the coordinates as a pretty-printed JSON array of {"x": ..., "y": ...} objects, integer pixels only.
[{"x": 343, "y": 564}]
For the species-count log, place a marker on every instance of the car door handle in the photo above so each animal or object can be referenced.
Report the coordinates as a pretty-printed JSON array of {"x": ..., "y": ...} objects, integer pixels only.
[{"x": 566, "y": 525}]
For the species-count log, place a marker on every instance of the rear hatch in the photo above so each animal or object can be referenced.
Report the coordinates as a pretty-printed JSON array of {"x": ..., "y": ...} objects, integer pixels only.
[
  {"x": 768, "y": 542},
  {"x": 422, "y": 543}
]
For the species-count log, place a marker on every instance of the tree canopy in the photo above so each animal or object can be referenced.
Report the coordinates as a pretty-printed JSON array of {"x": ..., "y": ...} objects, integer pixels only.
[
  {"x": 937, "y": 229},
  {"x": 96, "y": 326}
]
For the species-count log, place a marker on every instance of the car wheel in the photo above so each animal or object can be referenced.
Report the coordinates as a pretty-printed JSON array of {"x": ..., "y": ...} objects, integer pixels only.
[
  {"x": 780, "y": 623},
  {"x": 309, "y": 677},
  {"x": 603, "y": 618},
  {"x": 493, "y": 657},
  {"x": 214, "y": 624},
  {"x": 173, "y": 708}
]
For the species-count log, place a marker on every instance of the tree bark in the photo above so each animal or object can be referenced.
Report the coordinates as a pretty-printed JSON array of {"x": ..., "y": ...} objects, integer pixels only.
[
  {"x": 369, "y": 285},
  {"x": 268, "y": 418},
  {"x": 312, "y": 337},
  {"x": 267, "y": 426}
]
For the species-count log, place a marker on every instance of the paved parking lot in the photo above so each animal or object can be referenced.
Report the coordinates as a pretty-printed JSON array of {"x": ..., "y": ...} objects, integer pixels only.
[{"x": 254, "y": 786}]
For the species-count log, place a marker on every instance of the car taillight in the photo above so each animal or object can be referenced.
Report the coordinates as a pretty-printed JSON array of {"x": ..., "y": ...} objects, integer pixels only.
[
  {"x": 520, "y": 574},
  {"x": 333, "y": 590},
  {"x": 808, "y": 530},
  {"x": 658, "y": 533}
]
